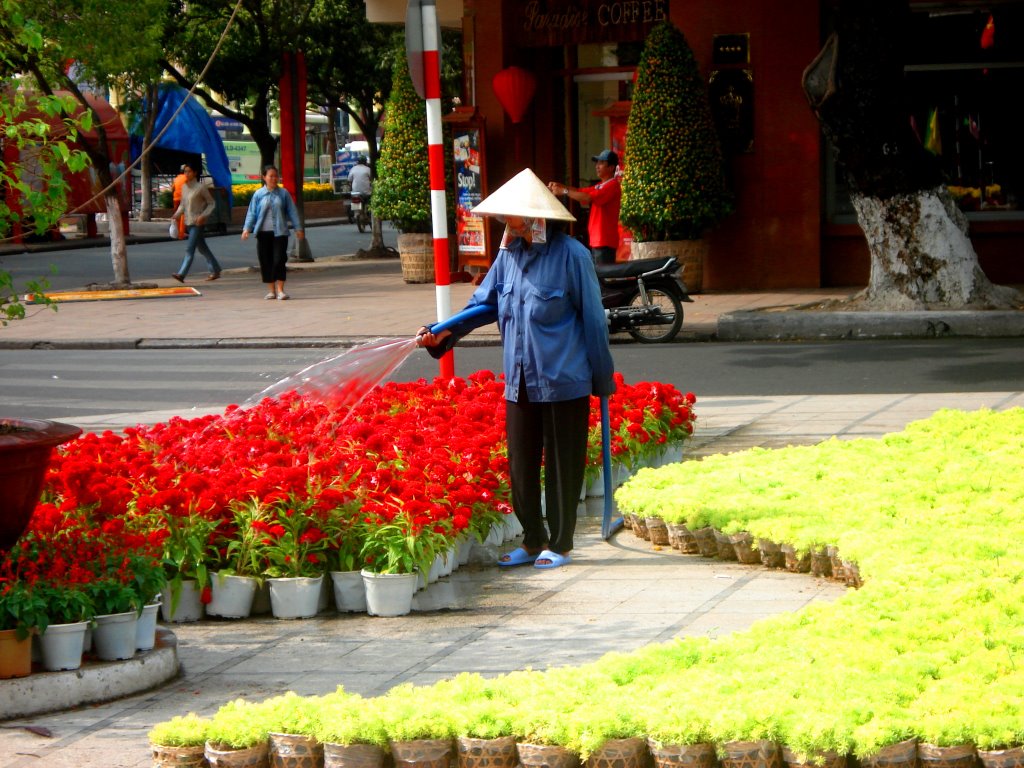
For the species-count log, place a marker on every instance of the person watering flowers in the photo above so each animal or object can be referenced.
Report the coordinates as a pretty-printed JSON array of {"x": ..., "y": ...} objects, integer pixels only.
[{"x": 543, "y": 292}]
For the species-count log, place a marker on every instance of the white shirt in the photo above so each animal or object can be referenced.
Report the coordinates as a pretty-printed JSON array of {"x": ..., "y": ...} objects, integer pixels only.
[{"x": 362, "y": 179}]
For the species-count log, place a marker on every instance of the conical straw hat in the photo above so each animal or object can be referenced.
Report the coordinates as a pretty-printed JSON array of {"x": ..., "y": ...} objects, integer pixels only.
[{"x": 524, "y": 195}]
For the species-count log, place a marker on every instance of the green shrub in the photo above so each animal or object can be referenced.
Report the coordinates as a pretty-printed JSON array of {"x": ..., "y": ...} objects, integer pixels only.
[{"x": 673, "y": 187}]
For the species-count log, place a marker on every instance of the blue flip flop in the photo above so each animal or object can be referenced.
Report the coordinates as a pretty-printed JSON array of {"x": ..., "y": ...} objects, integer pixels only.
[
  {"x": 556, "y": 560},
  {"x": 517, "y": 556}
]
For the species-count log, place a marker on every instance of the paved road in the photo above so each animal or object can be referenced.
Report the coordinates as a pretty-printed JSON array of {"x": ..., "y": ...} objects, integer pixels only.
[{"x": 65, "y": 384}]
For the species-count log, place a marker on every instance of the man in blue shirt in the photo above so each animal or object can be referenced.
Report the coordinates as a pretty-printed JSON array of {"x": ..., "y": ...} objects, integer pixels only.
[{"x": 543, "y": 292}]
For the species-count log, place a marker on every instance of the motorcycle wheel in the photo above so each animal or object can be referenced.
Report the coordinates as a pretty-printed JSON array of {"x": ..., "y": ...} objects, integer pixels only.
[
  {"x": 670, "y": 306},
  {"x": 361, "y": 222}
]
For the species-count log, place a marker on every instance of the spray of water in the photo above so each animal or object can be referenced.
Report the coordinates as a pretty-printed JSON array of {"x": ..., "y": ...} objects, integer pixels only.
[{"x": 342, "y": 381}]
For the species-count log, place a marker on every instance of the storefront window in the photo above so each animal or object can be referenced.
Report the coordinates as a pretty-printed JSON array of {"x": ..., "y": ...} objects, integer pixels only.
[{"x": 965, "y": 68}]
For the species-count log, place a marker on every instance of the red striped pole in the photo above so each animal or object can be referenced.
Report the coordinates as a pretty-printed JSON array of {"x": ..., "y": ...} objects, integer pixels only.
[{"x": 435, "y": 152}]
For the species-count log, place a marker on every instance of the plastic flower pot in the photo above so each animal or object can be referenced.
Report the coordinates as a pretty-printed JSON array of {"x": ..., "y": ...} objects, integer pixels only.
[
  {"x": 349, "y": 592},
  {"x": 231, "y": 596},
  {"x": 389, "y": 594},
  {"x": 113, "y": 636},
  {"x": 145, "y": 629},
  {"x": 63, "y": 645},
  {"x": 295, "y": 597},
  {"x": 15, "y": 655},
  {"x": 188, "y": 606}
]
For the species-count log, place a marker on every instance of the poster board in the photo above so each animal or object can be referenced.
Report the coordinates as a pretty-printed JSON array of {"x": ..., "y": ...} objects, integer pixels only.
[{"x": 471, "y": 231}]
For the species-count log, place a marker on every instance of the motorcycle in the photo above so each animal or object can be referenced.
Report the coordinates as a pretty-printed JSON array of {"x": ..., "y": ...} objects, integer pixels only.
[
  {"x": 359, "y": 211},
  {"x": 644, "y": 298}
]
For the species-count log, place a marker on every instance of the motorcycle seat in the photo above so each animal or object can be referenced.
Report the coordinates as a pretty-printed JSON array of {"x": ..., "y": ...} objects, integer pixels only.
[{"x": 626, "y": 269}]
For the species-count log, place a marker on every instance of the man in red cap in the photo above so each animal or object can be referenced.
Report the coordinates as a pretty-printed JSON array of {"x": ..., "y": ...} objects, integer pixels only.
[{"x": 604, "y": 199}]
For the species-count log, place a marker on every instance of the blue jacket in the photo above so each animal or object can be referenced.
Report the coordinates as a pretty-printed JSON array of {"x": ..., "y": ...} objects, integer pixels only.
[
  {"x": 279, "y": 205},
  {"x": 547, "y": 302}
]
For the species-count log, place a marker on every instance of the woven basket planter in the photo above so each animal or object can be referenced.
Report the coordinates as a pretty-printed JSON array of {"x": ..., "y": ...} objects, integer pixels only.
[
  {"x": 289, "y": 750},
  {"x": 620, "y": 753},
  {"x": 179, "y": 757},
  {"x": 546, "y": 756},
  {"x": 687, "y": 541},
  {"x": 706, "y": 543},
  {"x": 422, "y": 753},
  {"x": 751, "y": 754},
  {"x": 683, "y": 755},
  {"x": 795, "y": 563},
  {"x": 353, "y": 756},
  {"x": 900, "y": 755},
  {"x": 250, "y": 757},
  {"x": 1002, "y": 758},
  {"x": 851, "y": 573},
  {"x": 771, "y": 554},
  {"x": 726, "y": 551},
  {"x": 822, "y": 760},
  {"x": 640, "y": 528},
  {"x": 486, "y": 753},
  {"x": 836, "y": 563},
  {"x": 657, "y": 531},
  {"x": 958, "y": 756},
  {"x": 821, "y": 563},
  {"x": 743, "y": 545}
]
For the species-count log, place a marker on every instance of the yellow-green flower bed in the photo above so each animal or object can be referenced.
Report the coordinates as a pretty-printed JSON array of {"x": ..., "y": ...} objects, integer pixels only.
[{"x": 931, "y": 647}]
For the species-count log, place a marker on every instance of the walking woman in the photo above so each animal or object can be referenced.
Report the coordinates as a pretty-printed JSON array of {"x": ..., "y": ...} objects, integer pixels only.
[
  {"x": 195, "y": 208},
  {"x": 270, "y": 212}
]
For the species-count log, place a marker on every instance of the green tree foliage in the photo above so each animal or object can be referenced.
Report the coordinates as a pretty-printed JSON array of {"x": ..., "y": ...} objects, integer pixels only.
[
  {"x": 674, "y": 185},
  {"x": 247, "y": 68},
  {"x": 402, "y": 192}
]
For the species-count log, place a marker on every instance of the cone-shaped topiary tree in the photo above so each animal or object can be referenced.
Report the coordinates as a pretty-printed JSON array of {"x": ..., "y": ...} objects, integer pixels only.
[
  {"x": 401, "y": 193},
  {"x": 674, "y": 184}
]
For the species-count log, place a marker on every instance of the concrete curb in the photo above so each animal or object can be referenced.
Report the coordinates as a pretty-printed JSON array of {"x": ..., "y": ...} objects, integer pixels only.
[
  {"x": 768, "y": 325},
  {"x": 94, "y": 682}
]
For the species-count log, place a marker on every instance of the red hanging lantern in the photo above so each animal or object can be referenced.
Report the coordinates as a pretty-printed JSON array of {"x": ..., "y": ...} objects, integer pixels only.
[
  {"x": 514, "y": 87},
  {"x": 988, "y": 34}
]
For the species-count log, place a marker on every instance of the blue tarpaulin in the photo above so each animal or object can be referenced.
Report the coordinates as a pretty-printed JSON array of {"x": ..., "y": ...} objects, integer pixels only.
[{"x": 191, "y": 131}]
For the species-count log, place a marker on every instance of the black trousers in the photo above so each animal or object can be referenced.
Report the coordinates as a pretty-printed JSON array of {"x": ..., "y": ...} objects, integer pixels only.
[
  {"x": 557, "y": 434},
  {"x": 272, "y": 251}
]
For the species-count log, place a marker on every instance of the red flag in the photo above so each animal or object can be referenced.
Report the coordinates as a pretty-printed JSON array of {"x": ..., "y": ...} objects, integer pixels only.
[{"x": 988, "y": 34}]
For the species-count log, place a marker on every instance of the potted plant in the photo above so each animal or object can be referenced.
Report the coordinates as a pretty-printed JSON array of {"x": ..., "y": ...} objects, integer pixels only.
[
  {"x": 186, "y": 550},
  {"x": 293, "y": 721},
  {"x": 237, "y": 736},
  {"x": 419, "y": 726},
  {"x": 345, "y": 527},
  {"x": 234, "y": 585},
  {"x": 22, "y": 611},
  {"x": 351, "y": 730},
  {"x": 68, "y": 611},
  {"x": 180, "y": 742},
  {"x": 674, "y": 183},
  {"x": 401, "y": 193},
  {"x": 294, "y": 546},
  {"x": 117, "y": 605},
  {"x": 396, "y": 550}
]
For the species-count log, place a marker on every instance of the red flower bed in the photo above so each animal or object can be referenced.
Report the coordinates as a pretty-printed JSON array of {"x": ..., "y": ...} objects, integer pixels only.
[{"x": 293, "y": 484}]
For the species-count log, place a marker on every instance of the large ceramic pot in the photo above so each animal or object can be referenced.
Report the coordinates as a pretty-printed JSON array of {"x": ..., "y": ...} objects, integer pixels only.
[{"x": 25, "y": 448}]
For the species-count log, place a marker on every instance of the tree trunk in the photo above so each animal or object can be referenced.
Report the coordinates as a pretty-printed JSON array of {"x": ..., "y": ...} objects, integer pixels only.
[
  {"x": 146, "y": 166},
  {"x": 921, "y": 256}
]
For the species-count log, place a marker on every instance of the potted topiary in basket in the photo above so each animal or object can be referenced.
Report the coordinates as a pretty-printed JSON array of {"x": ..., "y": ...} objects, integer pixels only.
[
  {"x": 674, "y": 184},
  {"x": 401, "y": 193}
]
